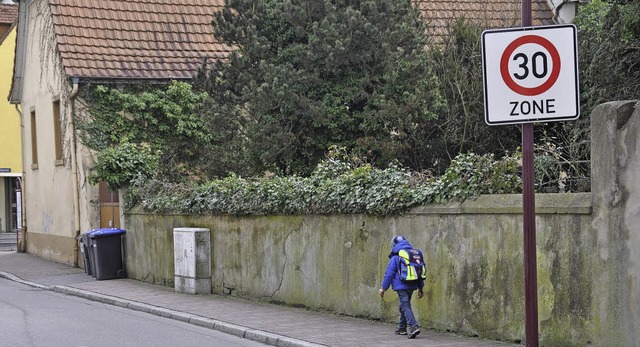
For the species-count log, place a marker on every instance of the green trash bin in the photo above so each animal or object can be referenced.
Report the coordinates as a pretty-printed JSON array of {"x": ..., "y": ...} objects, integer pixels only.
[{"x": 106, "y": 253}]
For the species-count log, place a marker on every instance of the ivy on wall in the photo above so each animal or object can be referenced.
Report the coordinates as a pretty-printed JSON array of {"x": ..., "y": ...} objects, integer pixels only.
[
  {"x": 145, "y": 131},
  {"x": 339, "y": 184}
]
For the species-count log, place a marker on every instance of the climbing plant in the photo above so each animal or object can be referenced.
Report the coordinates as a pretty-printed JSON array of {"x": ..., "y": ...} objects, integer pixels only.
[{"x": 145, "y": 128}]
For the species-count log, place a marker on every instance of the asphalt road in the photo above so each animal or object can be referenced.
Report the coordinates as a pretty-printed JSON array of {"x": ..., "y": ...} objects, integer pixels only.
[{"x": 33, "y": 317}]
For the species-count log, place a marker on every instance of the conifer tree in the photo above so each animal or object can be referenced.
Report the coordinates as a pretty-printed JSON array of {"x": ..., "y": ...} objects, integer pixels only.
[{"x": 308, "y": 74}]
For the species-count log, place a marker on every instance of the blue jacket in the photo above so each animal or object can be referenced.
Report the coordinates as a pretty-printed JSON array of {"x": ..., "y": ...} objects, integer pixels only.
[{"x": 391, "y": 276}]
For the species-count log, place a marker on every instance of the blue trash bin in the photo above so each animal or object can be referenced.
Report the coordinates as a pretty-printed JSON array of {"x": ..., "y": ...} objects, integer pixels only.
[{"x": 106, "y": 253}]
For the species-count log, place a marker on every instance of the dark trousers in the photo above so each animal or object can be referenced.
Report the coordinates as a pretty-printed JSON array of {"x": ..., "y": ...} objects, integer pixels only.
[{"x": 406, "y": 313}]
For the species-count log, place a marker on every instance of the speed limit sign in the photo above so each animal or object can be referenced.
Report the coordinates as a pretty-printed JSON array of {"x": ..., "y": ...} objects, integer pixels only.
[{"x": 530, "y": 74}]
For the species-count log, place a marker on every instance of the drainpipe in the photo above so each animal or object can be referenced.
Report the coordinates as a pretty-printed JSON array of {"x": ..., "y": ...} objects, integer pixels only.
[
  {"x": 74, "y": 170},
  {"x": 22, "y": 246}
]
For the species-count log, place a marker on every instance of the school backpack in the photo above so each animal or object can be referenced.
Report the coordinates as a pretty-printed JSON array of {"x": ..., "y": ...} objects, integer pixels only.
[{"x": 412, "y": 267}]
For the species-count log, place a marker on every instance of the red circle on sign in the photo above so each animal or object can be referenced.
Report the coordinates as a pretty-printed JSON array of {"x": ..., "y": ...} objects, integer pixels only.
[{"x": 504, "y": 65}]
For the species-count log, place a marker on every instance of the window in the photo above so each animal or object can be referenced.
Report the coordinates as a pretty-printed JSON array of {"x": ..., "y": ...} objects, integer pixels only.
[
  {"x": 57, "y": 134},
  {"x": 34, "y": 141}
]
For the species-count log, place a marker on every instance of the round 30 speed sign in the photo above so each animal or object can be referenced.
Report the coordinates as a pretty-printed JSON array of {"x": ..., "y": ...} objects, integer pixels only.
[{"x": 530, "y": 74}]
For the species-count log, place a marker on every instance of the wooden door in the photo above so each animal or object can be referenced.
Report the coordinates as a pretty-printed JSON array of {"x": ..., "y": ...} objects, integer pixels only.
[{"x": 109, "y": 207}]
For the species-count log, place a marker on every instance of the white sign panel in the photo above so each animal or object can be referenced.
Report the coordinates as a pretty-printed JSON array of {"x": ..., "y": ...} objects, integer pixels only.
[
  {"x": 18, "y": 210},
  {"x": 530, "y": 74}
]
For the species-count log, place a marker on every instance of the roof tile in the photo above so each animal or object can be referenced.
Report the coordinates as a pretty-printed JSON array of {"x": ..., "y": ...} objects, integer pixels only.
[
  {"x": 488, "y": 13},
  {"x": 160, "y": 39},
  {"x": 142, "y": 39},
  {"x": 8, "y": 13}
]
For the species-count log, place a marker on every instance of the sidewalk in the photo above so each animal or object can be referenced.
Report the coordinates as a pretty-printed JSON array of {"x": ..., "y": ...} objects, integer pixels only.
[{"x": 270, "y": 324}]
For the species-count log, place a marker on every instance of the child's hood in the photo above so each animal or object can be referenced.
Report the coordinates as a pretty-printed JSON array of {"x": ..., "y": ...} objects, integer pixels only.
[{"x": 402, "y": 244}]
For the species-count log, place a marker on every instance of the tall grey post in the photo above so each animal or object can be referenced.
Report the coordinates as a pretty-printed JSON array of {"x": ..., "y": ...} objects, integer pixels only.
[{"x": 192, "y": 260}]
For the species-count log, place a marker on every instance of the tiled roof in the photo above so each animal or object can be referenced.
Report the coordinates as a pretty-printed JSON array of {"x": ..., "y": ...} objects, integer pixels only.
[
  {"x": 8, "y": 13},
  {"x": 139, "y": 39},
  {"x": 488, "y": 13},
  {"x": 160, "y": 39}
]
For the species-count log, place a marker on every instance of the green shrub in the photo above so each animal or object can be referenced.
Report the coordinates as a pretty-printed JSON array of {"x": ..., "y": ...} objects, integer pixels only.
[
  {"x": 339, "y": 184},
  {"x": 119, "y": 165}
]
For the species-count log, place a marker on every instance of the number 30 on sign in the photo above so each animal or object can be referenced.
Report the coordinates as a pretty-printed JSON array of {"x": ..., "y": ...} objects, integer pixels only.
[{"x": 530, "y": 74}]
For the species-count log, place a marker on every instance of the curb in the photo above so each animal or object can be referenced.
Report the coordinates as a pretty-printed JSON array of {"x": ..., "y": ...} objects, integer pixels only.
[
  {"x": 228, "y": 328},
  {"x": 14, "y": 278}
]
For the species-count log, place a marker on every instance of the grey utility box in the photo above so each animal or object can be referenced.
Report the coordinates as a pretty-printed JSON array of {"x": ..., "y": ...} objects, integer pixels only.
[{"x": 192, "y": 260}]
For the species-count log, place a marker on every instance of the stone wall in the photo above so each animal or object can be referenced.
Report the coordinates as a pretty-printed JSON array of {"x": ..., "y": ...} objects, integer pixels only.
[
  {"x": 587, "y": 250},
  {"x": 615, "y": 172},
  {"x": 474, "y": 253}
]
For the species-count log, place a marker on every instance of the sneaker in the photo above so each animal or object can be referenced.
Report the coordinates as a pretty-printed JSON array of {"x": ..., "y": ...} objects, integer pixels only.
[
  {"x": 401, "y": 331},
  {"x": 413, "y": 332}
]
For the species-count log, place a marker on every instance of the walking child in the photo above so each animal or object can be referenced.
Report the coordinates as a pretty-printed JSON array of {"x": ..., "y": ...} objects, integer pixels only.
[{"x": 405, "y": 273}]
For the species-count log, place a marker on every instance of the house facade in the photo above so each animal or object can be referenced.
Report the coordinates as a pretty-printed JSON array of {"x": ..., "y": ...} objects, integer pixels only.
[
  {"x": 56, "y": 209},
  {"x": 10, "y": 140},
  {"x": 64, "y": 45}
]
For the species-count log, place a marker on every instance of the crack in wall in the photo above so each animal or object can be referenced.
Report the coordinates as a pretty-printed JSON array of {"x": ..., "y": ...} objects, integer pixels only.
[
  {"x": 284, "y": 264},
  {"x": 305, "y": 276}
]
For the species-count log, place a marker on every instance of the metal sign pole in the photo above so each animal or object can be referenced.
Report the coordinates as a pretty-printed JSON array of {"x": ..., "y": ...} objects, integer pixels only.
[{"x": 529, "y": 222}]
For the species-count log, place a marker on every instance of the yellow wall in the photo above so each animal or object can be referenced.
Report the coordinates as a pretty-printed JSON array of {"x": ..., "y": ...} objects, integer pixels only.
[{"x": 10, "y": 143}]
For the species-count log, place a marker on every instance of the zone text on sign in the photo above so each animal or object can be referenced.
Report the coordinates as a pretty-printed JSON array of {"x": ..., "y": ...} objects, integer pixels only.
[{"x": 532, "y": 107}]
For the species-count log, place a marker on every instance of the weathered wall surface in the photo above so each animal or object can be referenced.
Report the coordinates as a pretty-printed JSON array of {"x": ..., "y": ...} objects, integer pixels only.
[
  {"x": 615, "y": 158},
  {"x": 474, "y": 250},
  {"x": 588, "y": 252},
  {"x": 47, "y": 187},
  {"x": 56, "y": 209}
]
